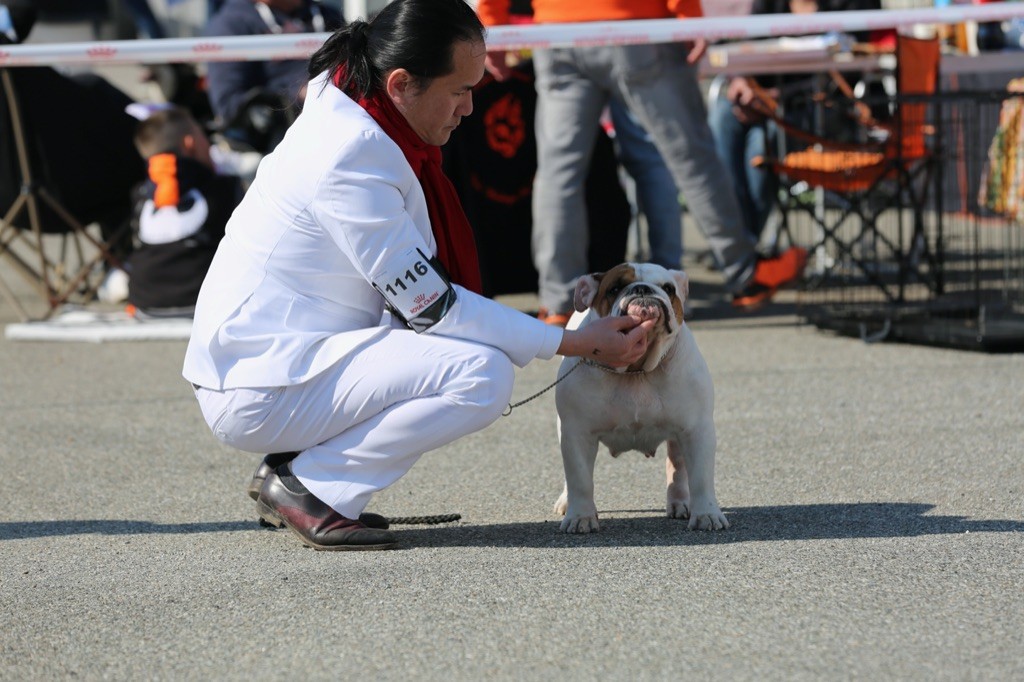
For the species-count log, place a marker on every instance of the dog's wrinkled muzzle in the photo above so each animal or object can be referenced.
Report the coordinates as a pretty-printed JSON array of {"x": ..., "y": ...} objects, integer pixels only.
[{"x": 646, "y": 308}]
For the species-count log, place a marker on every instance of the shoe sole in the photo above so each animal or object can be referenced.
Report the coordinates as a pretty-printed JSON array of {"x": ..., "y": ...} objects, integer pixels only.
[
  {"x": 752, "y": 303},
  {"x": 272, "y": 517}
]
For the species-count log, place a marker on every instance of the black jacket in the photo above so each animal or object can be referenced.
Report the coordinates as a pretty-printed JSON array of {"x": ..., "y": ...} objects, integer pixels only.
[{"x": 169, "y": 274}]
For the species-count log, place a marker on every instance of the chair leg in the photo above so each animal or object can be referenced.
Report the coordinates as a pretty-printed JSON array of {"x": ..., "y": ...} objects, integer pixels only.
[
  {"x": 56, "y": 278},
  {"x": 776, "y": 233},
  {"x": 13, "y": 300},
  {"x": 830, "y": 234}
]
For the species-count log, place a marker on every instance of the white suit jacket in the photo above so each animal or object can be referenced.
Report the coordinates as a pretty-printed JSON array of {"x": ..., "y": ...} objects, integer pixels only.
[{"x": 288, "y": 293}]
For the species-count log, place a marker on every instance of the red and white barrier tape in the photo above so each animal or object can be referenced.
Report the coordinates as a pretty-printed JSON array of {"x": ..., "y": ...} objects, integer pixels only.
[{"x": 301, "y": 46}]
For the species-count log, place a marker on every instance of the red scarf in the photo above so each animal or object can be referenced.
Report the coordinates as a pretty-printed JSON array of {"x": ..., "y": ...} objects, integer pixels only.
[{"x": 456, "y": 247}]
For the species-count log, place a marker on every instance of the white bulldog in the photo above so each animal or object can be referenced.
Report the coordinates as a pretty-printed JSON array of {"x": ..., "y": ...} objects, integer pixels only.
[{"x": 666, "y": 396}]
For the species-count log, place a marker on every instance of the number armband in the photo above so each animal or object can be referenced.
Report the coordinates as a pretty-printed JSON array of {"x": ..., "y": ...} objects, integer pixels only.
[{"x": 417, "y": 290}]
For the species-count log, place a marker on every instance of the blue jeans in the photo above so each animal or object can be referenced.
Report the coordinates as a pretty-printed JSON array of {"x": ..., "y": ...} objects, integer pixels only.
[
  {"x": 145, "y": 21},
  {"x": 657, "y": 84},
  {"x": 657, "y": 196},
  {"x": 737, "y": 144}
]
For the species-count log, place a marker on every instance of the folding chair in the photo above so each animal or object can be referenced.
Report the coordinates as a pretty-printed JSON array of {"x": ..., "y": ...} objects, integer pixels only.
[
  {"x": 67, "y": 161},
  {"x": 845, "y": 188}
]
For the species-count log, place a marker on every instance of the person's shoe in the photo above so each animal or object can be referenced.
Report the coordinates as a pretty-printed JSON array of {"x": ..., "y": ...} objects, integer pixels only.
[
  {"x": 276, "y": 459},
  {"x": 317, "y": 525},
  {"x": 769, "y": 275},
  {"x": 752, "y": 297},
  {"x": 554, "y": 319},
  {"x": 114, "y": 287},
  {"x": 782, "y": 269},
  {"x": 269, "y": 463}
]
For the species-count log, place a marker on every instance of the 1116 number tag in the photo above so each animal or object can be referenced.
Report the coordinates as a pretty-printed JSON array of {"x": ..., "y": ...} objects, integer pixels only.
[{"x": 416, "y": 290}]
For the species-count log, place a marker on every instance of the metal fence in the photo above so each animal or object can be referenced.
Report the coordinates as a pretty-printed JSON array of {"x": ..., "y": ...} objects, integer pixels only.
[{"x": 937, "y": 256}]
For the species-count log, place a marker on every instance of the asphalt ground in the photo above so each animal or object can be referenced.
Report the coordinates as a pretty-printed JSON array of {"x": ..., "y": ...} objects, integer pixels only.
[{"x": 874, "y": 492}]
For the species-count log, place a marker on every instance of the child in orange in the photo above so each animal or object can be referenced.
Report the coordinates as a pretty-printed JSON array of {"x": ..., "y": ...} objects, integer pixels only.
[{"x": 180, "y": 213}]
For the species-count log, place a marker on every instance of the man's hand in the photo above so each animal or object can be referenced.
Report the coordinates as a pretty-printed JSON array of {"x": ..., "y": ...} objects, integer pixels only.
[
  {"x": 739, "y": 91},
  {"x": 749, "y": 108},
  {"x": 697, "y": 49},
  {"x": 613, "y": 341},
  {"x": 497, "y": 65},
  {"x": 741, "y": 94}
]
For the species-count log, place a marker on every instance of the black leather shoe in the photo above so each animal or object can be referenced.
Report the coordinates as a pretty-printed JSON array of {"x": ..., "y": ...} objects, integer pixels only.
[
  {"x": 269, "y": 463},
  {"x": 316, "y": 524},
  {"x": 276, "y": 459}
]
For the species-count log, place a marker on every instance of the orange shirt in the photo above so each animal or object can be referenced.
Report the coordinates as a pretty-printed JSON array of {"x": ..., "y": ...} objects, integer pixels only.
[{"x": 495, "y": 12}]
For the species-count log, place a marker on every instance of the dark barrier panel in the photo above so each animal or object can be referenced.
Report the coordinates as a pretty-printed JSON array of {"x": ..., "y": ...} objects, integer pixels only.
[
  {"x": 937, "y": 257},
  {"x": 492, "y": 158}
]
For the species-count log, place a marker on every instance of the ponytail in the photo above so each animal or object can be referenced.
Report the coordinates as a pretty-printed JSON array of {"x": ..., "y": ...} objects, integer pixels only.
[
  {"x": 349, "y": 48},
  {"x": 416, "y": 35}
]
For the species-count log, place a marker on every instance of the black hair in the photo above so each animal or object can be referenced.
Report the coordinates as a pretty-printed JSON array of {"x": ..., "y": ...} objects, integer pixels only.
[
  {"x": 416, "y": 35},
  {"x": 163, "y": 131}
]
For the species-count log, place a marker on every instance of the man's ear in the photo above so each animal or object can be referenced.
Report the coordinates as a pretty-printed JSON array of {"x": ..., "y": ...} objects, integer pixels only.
[
  {"x": 586, "y": 290},
  {"x": 399, "y": 85}
]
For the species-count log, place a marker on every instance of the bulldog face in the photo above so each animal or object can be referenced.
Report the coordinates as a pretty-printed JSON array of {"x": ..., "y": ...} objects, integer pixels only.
[{"x": 644, "y": 290}]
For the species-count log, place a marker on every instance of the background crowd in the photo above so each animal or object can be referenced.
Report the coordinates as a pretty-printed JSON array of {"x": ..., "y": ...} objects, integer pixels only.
[{"x": 682, "y": 154}]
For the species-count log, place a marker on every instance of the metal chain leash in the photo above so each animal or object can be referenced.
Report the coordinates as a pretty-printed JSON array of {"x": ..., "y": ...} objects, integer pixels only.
[
  {"x": 401, "y": 520},
  {"x": 411, "y": 520},
  {"x": 611, "y": 370},
  {"x": 448, "y": 518},
  {"x": 582, "y": 361},
  {"x": 512, "y": 406}
]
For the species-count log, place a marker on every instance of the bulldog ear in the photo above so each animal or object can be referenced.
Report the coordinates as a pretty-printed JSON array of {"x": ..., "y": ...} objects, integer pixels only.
[
  {"x": 586, "y": 290},
  {"x": 682, "y": 283}
]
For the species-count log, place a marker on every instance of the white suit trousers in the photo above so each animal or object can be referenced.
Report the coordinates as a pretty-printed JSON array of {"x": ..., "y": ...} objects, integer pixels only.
[{"x": 363, "y": 423}]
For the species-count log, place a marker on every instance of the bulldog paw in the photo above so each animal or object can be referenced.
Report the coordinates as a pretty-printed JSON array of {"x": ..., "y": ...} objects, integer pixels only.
[
  {"x": 678, "y": 509},
  {"x": 561, "y": 504},
  {"x": 709, "y": 518},
  {"x": 580, "y": 524}
]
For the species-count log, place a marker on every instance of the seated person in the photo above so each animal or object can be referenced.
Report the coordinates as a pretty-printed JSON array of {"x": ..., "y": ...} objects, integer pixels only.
[
  {"x": 255, "y": 102},
  {"x": 180, "y": 214},
  {"x": 741, "y": 135}
]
